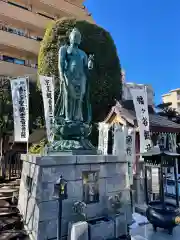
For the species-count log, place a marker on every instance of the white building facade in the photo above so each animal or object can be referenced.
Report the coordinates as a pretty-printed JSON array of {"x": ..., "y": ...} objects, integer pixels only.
[{"x": 126, "y": 86}]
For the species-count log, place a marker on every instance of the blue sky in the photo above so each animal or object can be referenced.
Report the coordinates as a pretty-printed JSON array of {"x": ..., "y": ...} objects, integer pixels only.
[{"x": 147, "y": 37}]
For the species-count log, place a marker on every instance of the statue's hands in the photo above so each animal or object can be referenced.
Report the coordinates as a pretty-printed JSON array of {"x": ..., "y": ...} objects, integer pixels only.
[{"x": 91, "y": 61}]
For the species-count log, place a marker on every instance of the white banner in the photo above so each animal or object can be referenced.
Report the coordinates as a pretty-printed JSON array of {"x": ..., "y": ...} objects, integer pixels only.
[
  {"x": 20, "y": 100},
  {"x": 103, "y": 138},
  {"x": 130, "y": 151},
  {"x": 124, "y": 146},
  {"x": 47, "y": 88},
  {"x": 119, "y": 147},
  {"x": 155, "y": 180},
  {"x": 139, "y": 96}
]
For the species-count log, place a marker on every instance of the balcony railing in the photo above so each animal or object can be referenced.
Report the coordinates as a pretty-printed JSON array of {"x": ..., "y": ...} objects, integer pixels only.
[
  {"x": 18, "y": 61},
  {"x": 75, "y": 4},
  {"x": 19, "y": 32},
  {"x": 28, "y": 7},
  {"x": 17, "y": 5}
]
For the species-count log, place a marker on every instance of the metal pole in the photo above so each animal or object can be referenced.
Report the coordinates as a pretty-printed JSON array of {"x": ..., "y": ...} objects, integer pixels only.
[
  {"x": 59, "y": 219},
  {"x": 146, "y": 186},
  {"x": 162, "y": 183},
  {"x": 176, "y": 181}
]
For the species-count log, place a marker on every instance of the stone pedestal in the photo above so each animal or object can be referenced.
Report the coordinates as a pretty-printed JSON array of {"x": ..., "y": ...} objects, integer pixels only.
[
  {"x": 78, "y": 231},
  {"x": 139, "y": 184},
  {"x": 120, "y": 225},
  {"x": 37, "y": 205},
  {"x": 102, "y": 230}
]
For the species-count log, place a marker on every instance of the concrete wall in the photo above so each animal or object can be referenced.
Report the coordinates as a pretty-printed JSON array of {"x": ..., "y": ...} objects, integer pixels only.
[
  {"x": 127, "y": 94},
  {"x": 19, "y": 42},
  {"x": 39, "y": 209},
  {"x": 11, "y": 69}
]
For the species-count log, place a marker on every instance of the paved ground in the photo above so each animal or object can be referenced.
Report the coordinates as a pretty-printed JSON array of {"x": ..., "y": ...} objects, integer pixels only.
[{"x": 146, "y": 233}]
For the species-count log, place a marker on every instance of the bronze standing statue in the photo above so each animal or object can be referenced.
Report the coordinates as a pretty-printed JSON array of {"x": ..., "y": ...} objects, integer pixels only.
[
  {"x": 73, "y": 108},
  {"x": 74, "y": 65}
]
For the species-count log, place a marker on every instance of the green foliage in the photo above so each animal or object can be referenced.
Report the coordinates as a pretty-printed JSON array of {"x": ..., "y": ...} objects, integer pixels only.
[
  {"x": 163, "y": 106},
  {"x": 38, "y": 148},
  {"x": 105, "y": 80},
  {"x": 36, "y": 112},
  {"x": 165, "y": 109},
  {"x": 6, "y": 121}
]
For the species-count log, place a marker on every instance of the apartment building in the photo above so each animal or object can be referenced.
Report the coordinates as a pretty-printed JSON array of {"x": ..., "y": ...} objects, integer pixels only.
[
  {"x": 22, "y": 26},
  {"x": 173, "y": 97}
]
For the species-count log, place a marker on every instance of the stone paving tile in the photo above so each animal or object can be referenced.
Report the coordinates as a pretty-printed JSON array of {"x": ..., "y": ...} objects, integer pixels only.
[{"x": 146, "y": 233}]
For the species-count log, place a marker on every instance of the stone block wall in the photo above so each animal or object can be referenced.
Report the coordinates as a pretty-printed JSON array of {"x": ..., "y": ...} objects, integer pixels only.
[{"x": 39, "y": 208}]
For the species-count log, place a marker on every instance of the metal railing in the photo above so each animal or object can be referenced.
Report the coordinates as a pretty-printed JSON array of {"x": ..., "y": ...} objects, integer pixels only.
[
  {"x": 31, "y": 65},
  {"x": 11, "y": 165},
  {"x": 17, "y": 31}
]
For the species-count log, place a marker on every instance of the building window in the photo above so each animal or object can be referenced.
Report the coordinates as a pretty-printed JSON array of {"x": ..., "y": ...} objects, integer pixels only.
[
  {"x": 36, "y": 38},
  {"x": 8, "y": 59},
  {"x": 13, "y": 60},
  {"x": 90, "y": 186},
  {"x": 39, "y": 39},
  {"x": 33, "y": 65},
  {"x": 19, "y": 61},
  {"x": 17, "y": 5},
  {"x": 20, "y": 32},
  {"x": 46, "y": 16},
  {"x": 33, "y": 37},
  {"x": 17, "y": 31}
]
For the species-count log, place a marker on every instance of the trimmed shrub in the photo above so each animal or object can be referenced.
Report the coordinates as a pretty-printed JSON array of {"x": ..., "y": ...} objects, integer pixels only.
[{"x": 105, "y": 80}]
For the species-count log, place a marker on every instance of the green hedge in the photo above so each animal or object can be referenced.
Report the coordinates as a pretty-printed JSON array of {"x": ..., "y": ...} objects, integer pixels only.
[{"x": 106, "y": 76}]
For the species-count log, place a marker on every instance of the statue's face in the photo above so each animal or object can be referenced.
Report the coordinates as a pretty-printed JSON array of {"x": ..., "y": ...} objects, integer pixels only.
[{"x": 75, "y": 37}]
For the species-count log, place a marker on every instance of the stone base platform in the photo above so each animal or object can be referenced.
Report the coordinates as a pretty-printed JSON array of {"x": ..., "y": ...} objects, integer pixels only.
[{"x": 37, "y": 206}]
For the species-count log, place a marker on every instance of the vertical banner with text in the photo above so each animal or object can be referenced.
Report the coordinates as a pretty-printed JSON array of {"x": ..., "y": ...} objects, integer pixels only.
[
  {"x": 47, "y": 88},
  {"x": 130, "y": 151},
  {"x": 103, "y": 138},
  {"x": 124, "y": 147},
  {"x": 20, "y": 100},
  {"x": 139, "y": 96},
  {"x": 119, "y": 147}
]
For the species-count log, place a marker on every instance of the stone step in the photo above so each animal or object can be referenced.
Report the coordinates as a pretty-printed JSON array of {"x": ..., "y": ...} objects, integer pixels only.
[
  {"x": 13, "y": 235},
  {"x": 10, "y": 188},
  {"x": 4, "y": 205},
  {"x": 7, "y": 210},
  {"x": 13, "y": 179},
  {"x": 8, "y": 223},
  {"x": 5, "y": 198},
  {"x": 10, "y": 184},
  {"x": 8, "y": 213},
  {"x": 7, "y": 191}
]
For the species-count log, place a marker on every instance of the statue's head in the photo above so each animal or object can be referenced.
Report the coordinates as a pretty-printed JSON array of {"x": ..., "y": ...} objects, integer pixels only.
[{"x": 75, "y": 36}]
